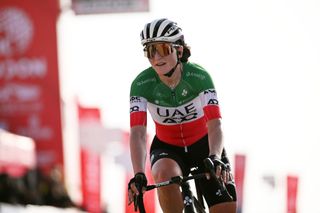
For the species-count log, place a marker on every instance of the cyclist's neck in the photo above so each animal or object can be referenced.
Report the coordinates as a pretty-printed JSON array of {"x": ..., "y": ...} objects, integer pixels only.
[{"x": 174, "y": 79}]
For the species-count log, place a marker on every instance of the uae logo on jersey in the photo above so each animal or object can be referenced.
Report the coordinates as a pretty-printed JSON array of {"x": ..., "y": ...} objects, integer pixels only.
[{"x": 177, "y": 115}]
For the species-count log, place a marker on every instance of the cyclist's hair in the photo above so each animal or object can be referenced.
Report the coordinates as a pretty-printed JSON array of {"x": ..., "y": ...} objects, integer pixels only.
[{"x": 186, "y": 50}]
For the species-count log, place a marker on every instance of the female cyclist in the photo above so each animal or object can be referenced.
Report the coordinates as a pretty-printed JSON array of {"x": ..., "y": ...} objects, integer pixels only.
[{"x": 182, "y": 100}]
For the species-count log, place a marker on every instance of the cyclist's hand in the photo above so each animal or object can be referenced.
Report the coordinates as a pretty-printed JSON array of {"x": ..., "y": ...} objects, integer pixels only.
[
  {"x": 220, "y": 168},
  {"x": 136, "y": 185},
  {"x": 227, "y": 176}
]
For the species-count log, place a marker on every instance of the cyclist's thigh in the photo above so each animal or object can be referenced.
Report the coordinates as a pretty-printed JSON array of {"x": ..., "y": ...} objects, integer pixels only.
[
  {"x": 164, "y": 169},
  {"x": 164, "y": 157}
]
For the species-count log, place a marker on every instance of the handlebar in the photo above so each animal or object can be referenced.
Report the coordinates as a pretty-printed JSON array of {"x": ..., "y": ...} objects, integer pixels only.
[
  {"x": 209, "y": 165},
  {"x": 177, "y": 180}
]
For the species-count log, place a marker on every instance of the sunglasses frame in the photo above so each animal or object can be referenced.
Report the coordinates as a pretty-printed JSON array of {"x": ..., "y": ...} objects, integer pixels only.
[{"x": 146, "y": 52}]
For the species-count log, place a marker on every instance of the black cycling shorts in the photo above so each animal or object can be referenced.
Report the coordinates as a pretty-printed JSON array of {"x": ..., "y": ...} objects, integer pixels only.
[{"x": 194, "y": 157}]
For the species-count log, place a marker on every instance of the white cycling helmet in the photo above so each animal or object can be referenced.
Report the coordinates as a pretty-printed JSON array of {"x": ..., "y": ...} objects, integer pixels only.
[{"x": 161, "y": 30}]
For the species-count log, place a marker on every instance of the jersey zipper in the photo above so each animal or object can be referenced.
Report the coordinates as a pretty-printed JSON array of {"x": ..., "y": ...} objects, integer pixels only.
[{"x": 173, "y": 94}]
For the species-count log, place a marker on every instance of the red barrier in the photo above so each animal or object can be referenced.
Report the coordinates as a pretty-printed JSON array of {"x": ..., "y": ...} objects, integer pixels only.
[{"x": 292, "y": 189}]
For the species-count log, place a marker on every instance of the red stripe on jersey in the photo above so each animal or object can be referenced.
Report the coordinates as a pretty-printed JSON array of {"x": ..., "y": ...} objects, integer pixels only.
[
  {"x": 212, "y": 112},
  {"x": 138, "y": 118},
  {"x": 183, "y": 134}
]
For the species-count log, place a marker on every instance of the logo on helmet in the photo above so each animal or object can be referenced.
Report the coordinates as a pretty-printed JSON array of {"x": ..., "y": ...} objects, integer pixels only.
[{"x": 173, "y": 28}]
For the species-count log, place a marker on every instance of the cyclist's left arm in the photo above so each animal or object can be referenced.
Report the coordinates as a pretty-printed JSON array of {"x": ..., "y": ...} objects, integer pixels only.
[{"x": 215, "y": 137}]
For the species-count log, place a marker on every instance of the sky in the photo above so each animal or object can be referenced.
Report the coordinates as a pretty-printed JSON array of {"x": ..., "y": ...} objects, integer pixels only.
[{"x": 264, "y": 59}]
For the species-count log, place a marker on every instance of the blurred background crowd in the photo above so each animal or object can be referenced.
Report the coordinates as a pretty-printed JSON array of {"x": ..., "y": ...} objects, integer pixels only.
[{"x": 35, "y": 188}]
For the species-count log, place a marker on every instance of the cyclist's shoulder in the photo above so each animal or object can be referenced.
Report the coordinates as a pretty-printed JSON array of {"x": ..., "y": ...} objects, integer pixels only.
[
  {"x": 194, "y": 66},
  {"x": 196, "y": 74},
  {"x": 144, "y": 82},
  {"x": 145, "y": 77}
]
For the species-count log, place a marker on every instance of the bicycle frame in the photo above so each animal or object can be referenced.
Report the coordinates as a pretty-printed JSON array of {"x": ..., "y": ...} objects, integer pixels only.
[{"x": 190, "y": 202}]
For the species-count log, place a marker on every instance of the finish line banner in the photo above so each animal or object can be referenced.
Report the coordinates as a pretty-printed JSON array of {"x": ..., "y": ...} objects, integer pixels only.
[{"x": 29, "y": 81}]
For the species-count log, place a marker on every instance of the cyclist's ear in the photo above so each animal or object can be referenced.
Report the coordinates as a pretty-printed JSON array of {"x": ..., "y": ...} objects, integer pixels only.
[{"x": 179, "y": 51}]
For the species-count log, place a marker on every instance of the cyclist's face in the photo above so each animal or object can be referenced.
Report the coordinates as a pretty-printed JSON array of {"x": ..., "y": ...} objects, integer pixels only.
[{"x": 162, "y": 62}]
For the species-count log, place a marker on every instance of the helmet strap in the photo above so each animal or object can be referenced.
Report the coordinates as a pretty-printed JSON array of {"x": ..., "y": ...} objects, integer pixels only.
[{"x": 170, "y": 73}]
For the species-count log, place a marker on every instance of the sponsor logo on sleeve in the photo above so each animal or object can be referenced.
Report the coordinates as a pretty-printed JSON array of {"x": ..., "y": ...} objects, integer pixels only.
[
  {"x": 134, "y": 109},
  {"x": 211, "y": 97},
  {"x": 137, "y": 104},
  {"x": 135, "y": 99}
]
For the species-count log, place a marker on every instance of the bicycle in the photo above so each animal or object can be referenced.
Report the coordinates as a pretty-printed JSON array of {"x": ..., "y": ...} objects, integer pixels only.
[{"x": 192, "y": 204}]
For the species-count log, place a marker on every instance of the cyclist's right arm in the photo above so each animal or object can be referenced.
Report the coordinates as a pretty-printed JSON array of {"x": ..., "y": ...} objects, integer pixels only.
[
  {"x": 138, "y": 143},
  {"x": 138, "y": 153},
  {"x": 138, "y": 148},
  {"x": 138, "y": 132}
]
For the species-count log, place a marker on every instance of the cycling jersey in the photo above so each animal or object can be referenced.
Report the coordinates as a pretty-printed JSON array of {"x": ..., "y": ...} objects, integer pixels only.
[{"x": 180, "y": 114}]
